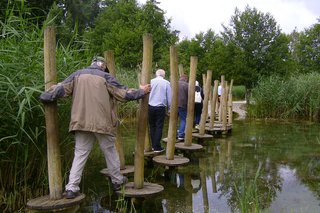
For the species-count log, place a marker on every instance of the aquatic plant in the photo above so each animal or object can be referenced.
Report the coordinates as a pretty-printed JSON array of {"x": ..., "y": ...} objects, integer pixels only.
[{"x": 294, "y": 98}]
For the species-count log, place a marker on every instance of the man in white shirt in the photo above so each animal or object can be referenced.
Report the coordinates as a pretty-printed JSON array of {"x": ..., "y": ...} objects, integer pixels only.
[{"x": 159, "y": 100}]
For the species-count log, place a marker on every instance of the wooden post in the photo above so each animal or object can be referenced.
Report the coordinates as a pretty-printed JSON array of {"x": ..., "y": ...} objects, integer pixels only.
[
  {"x": 224, "y": 105},
  {"x": 181, "y": 71},
  {"x": 214, "y": 103},
  {"x": 172, "y": 131},
  {"x": 221, "y": 98},
  {"x": 109, "y": 56},
  {"x": 204, "y": 80},
  {"x": 230, "y": 117},
  {"x": 147, "y": 144},
  {"x": 204, "y": 113},
  {"x": 51, "y": 115},
  {"x": 190, "y": 111},
  {"x": 143, "y": 115}
]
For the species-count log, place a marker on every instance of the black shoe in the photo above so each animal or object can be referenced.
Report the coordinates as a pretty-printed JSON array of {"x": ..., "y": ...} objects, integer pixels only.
[
  {"x": 117, "y": 186},
  {"x": 158, "y": 150},
  {"x": 70, "y": 194}
]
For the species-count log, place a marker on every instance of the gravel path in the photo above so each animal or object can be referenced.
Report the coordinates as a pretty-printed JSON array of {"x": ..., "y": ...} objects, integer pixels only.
[{"x": 238, "y": 107}]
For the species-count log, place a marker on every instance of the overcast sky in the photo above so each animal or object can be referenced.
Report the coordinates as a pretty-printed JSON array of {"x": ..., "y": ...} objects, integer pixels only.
[{"x": 191, "y": 17}]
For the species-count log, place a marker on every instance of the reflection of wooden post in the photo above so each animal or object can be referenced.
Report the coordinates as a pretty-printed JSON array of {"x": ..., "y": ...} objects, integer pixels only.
[
  {"x": 222, "y": 160},
  {"x": 204, "y": 113},
  {"x": 172, "y": 132},
  {"x": 188, "y": 187},
  {"x": 214, "y": 103},
  {"x": 108, "y": 55},
  {"x": 190, "y": 111},
  {"x": 51, "y": 115},
  {"x": 229, "y": 153},
  {"x": 143, "y": 115},
  {"x": 181, "y": 71},
  {"x": 204, "y": 184}
]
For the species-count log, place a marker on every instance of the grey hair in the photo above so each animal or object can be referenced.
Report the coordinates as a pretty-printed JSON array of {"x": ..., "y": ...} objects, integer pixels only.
[{"x": 160, "y": 72}]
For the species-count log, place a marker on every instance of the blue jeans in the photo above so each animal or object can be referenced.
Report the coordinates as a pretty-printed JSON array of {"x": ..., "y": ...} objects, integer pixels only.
[{"x": 183, "y": 116}]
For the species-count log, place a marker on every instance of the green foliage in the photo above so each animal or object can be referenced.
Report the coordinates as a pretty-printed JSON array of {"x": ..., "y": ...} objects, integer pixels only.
[
  {"x": 120, "y": 27},
  {"x": 306, "y": 49},
  {"x": 238, "y": 93},
  {"x": 296, "y": 97},
  {"x": 263, "y": 49}
]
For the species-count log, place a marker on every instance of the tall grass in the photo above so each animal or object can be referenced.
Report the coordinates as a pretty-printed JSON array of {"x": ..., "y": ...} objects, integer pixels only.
[
  {"x": 297, "y": 97},
  {"x": 238, "y": 93},
  {"x": 23, "y": 154},
  {"x": 23, "y": 165}
]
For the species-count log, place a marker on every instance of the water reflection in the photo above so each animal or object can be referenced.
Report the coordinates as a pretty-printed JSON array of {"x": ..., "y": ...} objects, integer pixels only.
[{"x": 273, "y": 167}]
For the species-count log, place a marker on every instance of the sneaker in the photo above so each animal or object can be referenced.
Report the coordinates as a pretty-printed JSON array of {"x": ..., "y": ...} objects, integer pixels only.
[
  {"x": 71, "y": 194},
  {"x": 117, "y": 186},
  {"x": 158, "y": 150},
  {"x": 180, "y": 139}
]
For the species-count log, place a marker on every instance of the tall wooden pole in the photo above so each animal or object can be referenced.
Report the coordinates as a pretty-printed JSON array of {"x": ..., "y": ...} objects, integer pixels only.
[
  {"x": 109, "y": 56},
  {"x": 51, "y": 115},
  {"x": 221, "y": 97},
  {"x": 172, "y": 132},
  {"x": 224, "y": 105},
  {"x": 190, "y": 110},
  {"x": 230, "y": 115},
  {"x": 181, "y": 71},
  {"x": 214, "y": 103},
  {"x": 143, "y": 115},
  {"x": 204, "y": 113}
]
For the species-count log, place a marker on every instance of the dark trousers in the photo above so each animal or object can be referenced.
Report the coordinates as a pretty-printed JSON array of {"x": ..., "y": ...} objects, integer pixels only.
[
  {"x": 197, "y": 113},
  {"x": 156, "y": 120}
]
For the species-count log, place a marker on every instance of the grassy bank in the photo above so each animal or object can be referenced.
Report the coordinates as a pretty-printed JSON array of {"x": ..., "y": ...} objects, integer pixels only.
[{"x": 297, "y": 97}]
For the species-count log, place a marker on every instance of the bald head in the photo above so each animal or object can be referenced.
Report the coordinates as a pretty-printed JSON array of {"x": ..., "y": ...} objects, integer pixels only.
[{"x": 160, "y": 72}]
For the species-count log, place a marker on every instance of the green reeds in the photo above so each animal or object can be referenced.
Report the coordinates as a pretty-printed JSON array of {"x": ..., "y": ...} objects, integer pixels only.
[
  {"x": 297, "y": 97},
  {"x": 238, "y": 93}
]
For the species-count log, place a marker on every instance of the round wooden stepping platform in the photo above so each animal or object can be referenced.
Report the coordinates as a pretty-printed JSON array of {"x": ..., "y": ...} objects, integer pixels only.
[
  {"x": 128, "y": 170},
  {"x": 177, "y": 160},
  {"x": 147, "y": 190},
  {"x": 45, "y": 203},
  {"x": 204, "y": 136},
  {"x": 192, "y": 147}
]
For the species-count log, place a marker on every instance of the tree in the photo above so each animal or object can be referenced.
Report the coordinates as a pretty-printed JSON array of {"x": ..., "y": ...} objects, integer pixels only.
[
  {"x": 306, "y": 48},
  {"x": 263, "y": 48},
  {"x": 201, "y": 46},
  {"x": 120, "y": 27}
]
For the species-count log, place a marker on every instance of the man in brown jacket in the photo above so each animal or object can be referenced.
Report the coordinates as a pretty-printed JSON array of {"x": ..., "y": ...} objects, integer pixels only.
[{"x": 93, "y": 117}]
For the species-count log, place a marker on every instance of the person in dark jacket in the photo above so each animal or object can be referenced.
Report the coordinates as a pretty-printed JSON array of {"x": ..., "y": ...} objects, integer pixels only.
[
  {"x": 93, "y": 118},
  {"x": 182, "y": 105}
]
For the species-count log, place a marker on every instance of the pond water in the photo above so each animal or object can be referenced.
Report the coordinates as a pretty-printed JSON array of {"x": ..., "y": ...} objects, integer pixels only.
[{"x": 273, "y": 165}]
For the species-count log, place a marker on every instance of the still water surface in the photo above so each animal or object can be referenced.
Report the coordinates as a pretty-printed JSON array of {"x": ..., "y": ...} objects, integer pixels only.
[{"x": 280, "y": 161}]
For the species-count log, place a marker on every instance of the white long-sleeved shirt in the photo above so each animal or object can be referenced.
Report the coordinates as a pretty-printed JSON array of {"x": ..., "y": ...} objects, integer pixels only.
[{"x": 160, "y": 94}]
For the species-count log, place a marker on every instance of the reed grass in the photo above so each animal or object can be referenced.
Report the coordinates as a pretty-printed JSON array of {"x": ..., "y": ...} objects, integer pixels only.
[
  {"x": 297, "y": 97},
  {"x": 238, "y": 93},
  {"x": 23, "y": 154}
]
